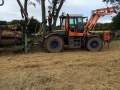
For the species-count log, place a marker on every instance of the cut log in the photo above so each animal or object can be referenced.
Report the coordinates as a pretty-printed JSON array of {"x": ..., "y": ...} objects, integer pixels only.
[
  {"x": 11, "y": 34},
  {"x": 9, "y": 41},
  {"x": 10, "y": 27}
]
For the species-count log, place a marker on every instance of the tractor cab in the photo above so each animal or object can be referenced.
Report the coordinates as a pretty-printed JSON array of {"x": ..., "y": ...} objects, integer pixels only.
[{"x": 72, "y": 24}]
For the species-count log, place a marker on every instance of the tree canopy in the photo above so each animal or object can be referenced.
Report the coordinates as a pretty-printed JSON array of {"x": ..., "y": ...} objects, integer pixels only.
[
  {"x": 3, "y": 23},
  {"x": 31, "y": 26},
  {"x": 116, "y": 3},
  {"x": 115, "y": 24},
  {"x": 55, "y": 7}
]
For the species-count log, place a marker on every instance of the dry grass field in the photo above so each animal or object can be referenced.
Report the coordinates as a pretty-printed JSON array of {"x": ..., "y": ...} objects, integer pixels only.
[{"x": 72, "y": 69}]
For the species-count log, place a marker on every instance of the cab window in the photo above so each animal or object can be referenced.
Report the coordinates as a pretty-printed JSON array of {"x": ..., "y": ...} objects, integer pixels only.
[
  {"x": 71, "y": 24},
  {"x": 79, "y": 25}
]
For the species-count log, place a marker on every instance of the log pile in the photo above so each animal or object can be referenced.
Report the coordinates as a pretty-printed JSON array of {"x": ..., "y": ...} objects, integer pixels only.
[
  {"x": 11, "y": 34},
  {"x": 8, "y": 34}
]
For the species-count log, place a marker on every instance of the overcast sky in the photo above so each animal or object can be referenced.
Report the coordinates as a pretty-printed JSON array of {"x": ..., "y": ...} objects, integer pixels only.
[{"x": 11, "y": 10}]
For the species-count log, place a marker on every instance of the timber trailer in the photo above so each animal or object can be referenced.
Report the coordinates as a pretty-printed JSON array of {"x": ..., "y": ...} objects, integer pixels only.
[
  {"x": 23, "y": 41},
  {"x": 74, "y": 32}
]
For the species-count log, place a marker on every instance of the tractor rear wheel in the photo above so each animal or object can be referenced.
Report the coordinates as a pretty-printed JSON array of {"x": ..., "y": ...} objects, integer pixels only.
[
  {"x": 94, "y": 44},
  {"x": 54, "y": 44}
]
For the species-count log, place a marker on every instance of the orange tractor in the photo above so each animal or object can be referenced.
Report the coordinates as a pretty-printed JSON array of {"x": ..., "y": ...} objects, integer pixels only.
[{"x": 75, "y": 32}]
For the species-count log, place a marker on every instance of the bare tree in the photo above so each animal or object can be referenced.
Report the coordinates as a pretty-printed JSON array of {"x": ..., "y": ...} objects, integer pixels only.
[
  {"x": 55, "y": 6},
  {"x": 42, "y": 3}
]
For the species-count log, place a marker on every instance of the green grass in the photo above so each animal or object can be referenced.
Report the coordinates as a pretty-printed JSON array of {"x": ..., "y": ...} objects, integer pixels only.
[{"x": 116, "y": 38}]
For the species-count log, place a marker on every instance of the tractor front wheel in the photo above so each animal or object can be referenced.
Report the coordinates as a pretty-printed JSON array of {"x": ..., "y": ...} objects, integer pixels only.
[
  {"x": 54, "y": 44},
  {"x": 94, "y": 44}
]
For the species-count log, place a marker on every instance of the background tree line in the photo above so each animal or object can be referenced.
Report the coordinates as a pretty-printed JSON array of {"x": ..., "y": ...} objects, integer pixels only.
[
  {"x": 55, "y": 6},
  {"x": 114, "y": 25},
  {"x": 31, "y": 26}
]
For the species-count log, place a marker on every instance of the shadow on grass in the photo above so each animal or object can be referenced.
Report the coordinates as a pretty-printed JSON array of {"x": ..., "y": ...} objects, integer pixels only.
[{"x": 7, "y": 51}]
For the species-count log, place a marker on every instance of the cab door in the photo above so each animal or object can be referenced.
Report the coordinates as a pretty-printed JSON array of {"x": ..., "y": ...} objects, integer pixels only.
[{"x": 76, "y": 26}]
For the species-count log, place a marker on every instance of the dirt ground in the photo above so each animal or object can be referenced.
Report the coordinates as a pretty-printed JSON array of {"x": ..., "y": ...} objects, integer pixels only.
[{"x": 72, "y": 69}]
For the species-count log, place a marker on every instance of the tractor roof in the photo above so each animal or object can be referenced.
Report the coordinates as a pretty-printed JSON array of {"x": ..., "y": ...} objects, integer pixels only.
[{"x": 71, "y": 15}]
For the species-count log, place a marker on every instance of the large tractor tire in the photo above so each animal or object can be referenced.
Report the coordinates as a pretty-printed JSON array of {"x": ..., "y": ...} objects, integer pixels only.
[
  {"x": 94, "y": 44},
  {"x": 54, "y": 44}
]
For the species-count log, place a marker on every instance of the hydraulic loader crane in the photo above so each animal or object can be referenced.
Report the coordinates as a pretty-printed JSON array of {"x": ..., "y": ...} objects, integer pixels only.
[
  {"x": 26, "y": 22},
  {"x": 74, "y": 33},
  {"x": 96, "y": 14}
]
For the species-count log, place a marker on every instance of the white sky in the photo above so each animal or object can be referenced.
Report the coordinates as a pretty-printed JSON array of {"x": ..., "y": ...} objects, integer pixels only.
[{"x": 11, "y": 10}]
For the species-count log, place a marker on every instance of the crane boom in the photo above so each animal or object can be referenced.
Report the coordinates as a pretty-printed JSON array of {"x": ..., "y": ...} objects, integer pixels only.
[
  {"x": 96, "y": 14},
  {"x": 23, "y": 13}
]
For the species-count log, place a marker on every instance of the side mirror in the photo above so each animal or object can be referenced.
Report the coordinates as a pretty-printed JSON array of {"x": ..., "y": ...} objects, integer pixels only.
[
  {"x": 2, "y": 3},
  {"x": 86, "y": 19}
]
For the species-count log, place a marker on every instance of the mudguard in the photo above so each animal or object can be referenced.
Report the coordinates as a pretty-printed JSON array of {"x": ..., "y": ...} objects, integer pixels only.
[{"x": 50, "y": 34}]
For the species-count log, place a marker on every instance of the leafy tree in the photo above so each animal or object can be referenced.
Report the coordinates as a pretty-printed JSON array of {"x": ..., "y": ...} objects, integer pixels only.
[
  {"x": 31, "y": 26},
  {"x": 106, "y": 26},
  {"x": 102, "y": 26},
  {"x": 115, "y": 24},
  {"x": 116, "y": 19},
  {"x": 3, "y": 23},
  {"x": 42, "y": 3},
  {"x": 55, "y": 6},
  {"x": 111, "y": 1},
  {"x": 116, "y": 3},
  {"x": 16, "y": 22}
]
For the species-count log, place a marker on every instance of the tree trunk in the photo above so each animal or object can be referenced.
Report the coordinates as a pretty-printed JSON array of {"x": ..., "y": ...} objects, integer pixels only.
[
  {"x": 54, "y": 16},
  {"x": 57, "y": 13},
  {"x": 43, "y": 15},
  {"x": 54, "y": 23},
  {"x": 26, "y": 19},
  {"x": 25, "y": 6}
]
